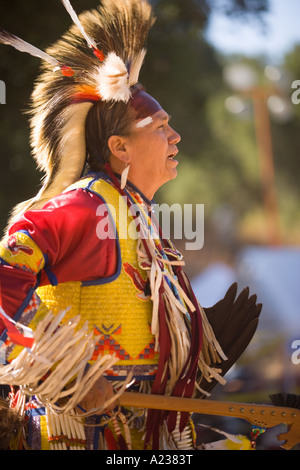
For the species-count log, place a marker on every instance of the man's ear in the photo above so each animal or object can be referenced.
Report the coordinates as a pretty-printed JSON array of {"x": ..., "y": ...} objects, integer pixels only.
[{"x": 118, "y": 148}]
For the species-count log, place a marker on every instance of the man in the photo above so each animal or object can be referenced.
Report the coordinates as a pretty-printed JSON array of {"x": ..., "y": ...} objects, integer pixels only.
[{"x": 88, "y": 246}]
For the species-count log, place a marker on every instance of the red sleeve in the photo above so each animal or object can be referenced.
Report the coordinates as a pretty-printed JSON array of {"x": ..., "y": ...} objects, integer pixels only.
[
  {"x": 65, "y": 230},
  {"x": 16, "y": 286}
]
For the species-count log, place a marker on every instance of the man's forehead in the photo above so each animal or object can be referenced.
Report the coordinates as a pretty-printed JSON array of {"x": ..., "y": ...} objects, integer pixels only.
[
  {"x": 158, "y": 117},
  {"x": 162, "y": 116},
  {"x": 144, "y": 105}
]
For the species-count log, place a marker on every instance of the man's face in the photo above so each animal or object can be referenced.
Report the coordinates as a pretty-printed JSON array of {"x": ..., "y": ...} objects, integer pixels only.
[{"x": 152, "y": 148}]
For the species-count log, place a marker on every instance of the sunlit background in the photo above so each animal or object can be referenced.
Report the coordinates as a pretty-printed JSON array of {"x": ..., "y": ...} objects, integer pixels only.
[{"x": 225, "y": 71}]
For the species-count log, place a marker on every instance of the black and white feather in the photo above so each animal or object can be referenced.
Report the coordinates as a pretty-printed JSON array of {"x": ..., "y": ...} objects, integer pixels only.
[
  {"x": 73, "y": 14},
  {"x": 119, "y": 29},
  {"x": 11, "y": 40}
]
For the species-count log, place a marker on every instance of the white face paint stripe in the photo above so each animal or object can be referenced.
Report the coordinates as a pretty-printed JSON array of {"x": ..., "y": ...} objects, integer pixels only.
[{"x": 145, "y": 122}]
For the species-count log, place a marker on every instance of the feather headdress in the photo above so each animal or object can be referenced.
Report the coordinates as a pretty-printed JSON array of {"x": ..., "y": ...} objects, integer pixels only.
[{"x": 99, "y": 58}]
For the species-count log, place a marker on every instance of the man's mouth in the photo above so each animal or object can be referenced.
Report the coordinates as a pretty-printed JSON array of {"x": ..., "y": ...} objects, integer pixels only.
[{"x": 170, "y": 157}]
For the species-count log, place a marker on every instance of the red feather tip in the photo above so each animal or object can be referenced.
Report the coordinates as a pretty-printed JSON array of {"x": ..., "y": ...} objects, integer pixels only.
[
  {"x": 99, "y": 54},
  {"x": 67, "y": 71}
]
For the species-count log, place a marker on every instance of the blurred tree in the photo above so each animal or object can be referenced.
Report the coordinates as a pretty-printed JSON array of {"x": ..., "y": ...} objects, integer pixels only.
[{"x": 286, "y": 144}]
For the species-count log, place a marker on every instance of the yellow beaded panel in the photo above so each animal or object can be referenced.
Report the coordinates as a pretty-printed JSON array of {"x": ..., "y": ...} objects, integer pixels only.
[
  {"x": 20, "y": 250},
  {"x": 118, "y": 311},
  {"x": 45, "y": 445},
  {"x": 65, "y": 296}
]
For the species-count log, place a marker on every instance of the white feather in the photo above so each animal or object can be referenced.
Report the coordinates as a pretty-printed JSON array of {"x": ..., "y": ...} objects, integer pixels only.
[
  {"x": 136, "y": 67},
  {"x": 72, "y": 149},
  {"x": 75, "y": 19},
  {"x": 23, "y": 46},
  {"x": 237, "y": 439},
  {"x": 113, "y": 79}
]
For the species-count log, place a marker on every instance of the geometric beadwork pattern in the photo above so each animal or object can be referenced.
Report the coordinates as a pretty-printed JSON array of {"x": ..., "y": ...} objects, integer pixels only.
[{"x": 107, "y": 344}]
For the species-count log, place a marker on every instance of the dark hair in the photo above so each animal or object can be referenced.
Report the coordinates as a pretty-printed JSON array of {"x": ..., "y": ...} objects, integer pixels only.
[
  {"x": 10, "y": 424},
  {"x": 104, "y": 120}
]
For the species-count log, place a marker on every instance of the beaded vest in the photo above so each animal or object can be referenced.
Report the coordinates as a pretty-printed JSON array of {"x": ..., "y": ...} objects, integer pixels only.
[{"x": 116, "y": 308}]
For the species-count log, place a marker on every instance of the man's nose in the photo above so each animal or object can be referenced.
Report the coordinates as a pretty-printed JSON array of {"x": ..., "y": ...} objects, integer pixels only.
[{"x": 175, "y": 138}]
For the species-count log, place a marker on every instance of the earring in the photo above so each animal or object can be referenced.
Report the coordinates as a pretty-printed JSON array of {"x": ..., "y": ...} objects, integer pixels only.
[{"x": 124, "y": 175}]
